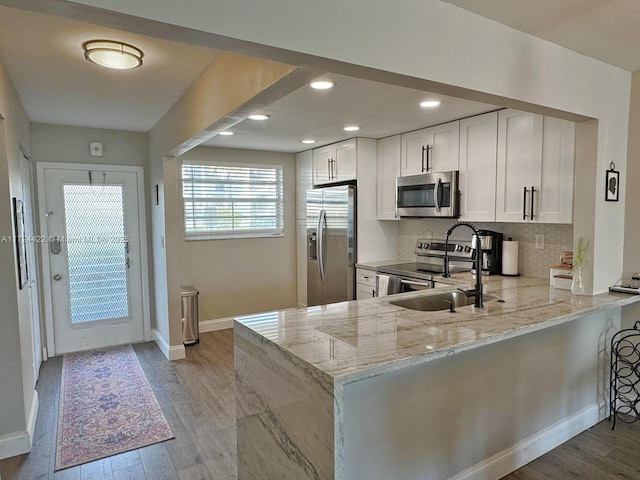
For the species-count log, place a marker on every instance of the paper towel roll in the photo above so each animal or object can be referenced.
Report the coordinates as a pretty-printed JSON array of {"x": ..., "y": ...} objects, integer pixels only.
[{"x": 509, "y": 258}]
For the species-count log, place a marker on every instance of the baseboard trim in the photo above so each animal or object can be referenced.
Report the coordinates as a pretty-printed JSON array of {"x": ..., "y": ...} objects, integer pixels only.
[
  {"x": 21, "y": 442},
  {"x": 216, "y": 324},
  {"x": 523, "y": 452},
  {"x": 175, "y": 352}
]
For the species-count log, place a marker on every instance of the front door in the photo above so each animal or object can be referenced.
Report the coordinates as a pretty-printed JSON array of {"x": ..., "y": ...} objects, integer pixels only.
[{"x": 94, "y": 256}]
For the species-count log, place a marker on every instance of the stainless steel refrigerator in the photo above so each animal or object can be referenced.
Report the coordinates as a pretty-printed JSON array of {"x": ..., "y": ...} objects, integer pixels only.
[{"x": 331, "y": 244}]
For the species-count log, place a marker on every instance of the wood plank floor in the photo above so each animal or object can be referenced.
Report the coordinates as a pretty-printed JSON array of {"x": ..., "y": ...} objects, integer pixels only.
[{"x": 197, "y": 397}]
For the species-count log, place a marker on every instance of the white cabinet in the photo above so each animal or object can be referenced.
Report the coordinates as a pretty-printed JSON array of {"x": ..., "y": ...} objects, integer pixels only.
[
  {"x": 365, "y": 283},
  {"x": 555, "y": 204},
  {"x": 535, "y": 168},
  {"x": 519, "y": 158},
  {"x": 335, "y": 163},
  {"x": 304, "y": 182},
  {"x": 301, "y": 262},
  {"x": 433, "y": 149},
  {"x": 478, "y": 148},
  {"x": 388, "y": 170}
]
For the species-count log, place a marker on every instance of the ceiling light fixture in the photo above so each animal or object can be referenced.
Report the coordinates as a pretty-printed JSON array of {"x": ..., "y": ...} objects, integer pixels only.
[
  {"x": 322, "y": 85},
  {"x": 430, "y": 103},
  {"x": 111, "y": 54},
  {"x": 226, "y": 133},
  {"x": 351, "y": 128},
  {"x": 308, "y": 142},
  {"x": 259, "y": 116}
]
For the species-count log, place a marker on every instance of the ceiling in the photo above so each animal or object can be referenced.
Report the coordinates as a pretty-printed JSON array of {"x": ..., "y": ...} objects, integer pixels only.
[
  {"x": 43, "y": 55},
  {"x": 57, "y": 85},
  {"x": 379, "y": 109},
  {"x": 603, "y": 29}
]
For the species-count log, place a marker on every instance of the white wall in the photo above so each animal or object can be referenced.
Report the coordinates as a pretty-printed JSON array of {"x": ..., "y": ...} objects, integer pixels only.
[
  {"x": 230, "y": 87},
  {"x": 468, "y": 56},
  {"x": 632, "y": 219},
  {"x": 17, "y": 395},
  {"x": 65, "y": 144},
  {"x": 242, "y": 276}
]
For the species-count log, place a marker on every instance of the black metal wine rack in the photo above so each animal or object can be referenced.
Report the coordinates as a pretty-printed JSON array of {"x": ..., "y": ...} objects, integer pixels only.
[{"x": 624, "y": 383}]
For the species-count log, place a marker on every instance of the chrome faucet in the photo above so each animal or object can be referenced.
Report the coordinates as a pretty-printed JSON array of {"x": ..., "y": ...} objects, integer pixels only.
[{"x": 477, "y": 292}]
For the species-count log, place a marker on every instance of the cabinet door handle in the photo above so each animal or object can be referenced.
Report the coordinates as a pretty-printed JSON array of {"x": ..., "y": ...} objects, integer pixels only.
[
  {"x": 524, "y": 204},
  {"x": 328, "y": 169},
  {"x": 429, "y": 150},
  {"x": 533, "y": 193},
  {"x": 335, "y": 168},
  {"x": 424, "y": 149}
]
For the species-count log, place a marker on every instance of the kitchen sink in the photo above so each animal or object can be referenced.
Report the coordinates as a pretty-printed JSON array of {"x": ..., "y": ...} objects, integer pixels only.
[{"x": 439, "y": 301}]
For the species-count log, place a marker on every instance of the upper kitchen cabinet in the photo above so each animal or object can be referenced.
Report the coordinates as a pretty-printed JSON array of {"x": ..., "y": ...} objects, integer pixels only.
[
  {"x": 304, "y": 182},
  {"x": 433, "y": 149},
  {"x": 335, "y": 163},
  {"x": 389, "y": 150},
  {"x": 535, "y": 168},
  {"x": 555, "y": 204},
  {"x": 478, "y": 158}
]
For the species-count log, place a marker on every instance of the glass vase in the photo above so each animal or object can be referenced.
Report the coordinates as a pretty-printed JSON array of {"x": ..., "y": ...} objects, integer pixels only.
[{"x": 577, "y": 284}]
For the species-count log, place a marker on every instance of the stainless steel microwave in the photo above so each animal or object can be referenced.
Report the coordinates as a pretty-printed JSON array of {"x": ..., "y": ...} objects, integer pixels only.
[{"x": 428, "y": 195}]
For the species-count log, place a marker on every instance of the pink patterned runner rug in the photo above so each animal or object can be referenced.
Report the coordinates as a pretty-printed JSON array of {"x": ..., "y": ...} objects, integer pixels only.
[{"x": 106, "y": 407}]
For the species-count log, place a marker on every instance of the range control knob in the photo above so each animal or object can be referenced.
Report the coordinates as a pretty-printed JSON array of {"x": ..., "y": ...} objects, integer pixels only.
[
  {"x": 419, "y": 245},
  {"x": 425, "y": 246},
  {"x": 467, "y": 249},
  {"x": 458, "y": 248}
]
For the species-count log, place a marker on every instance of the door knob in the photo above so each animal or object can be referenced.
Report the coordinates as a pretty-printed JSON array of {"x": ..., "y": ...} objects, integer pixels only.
[{"x": 57, "y": 277}]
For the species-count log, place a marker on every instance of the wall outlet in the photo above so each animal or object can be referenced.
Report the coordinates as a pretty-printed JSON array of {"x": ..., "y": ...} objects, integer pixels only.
[{"x": 539, "y": 241}]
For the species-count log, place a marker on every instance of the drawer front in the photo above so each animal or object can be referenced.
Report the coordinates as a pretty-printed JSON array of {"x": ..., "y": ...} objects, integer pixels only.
[
  {"x": 365, "y": 291},
  {"x": 366, "y": 277}
]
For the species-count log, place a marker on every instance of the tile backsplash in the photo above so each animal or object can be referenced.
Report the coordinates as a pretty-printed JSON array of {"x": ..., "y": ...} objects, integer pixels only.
[{"x": 532, "y": 262}]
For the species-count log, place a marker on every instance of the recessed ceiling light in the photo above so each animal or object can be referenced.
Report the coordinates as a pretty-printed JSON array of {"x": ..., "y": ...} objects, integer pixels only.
[
  {"x": 259, "y": 116},
  {"x": 322, "y": 85},
  {"x": 308, "y": 142},
  {"x": 226, "y": 133},
  {"x": 430, "y": 103},
  {"x": 351, "y": 128},
  {"x": 110, "y": 54}
]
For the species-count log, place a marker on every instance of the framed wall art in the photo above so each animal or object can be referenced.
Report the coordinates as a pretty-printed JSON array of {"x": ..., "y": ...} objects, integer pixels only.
[{"x": 612, "y": 184}]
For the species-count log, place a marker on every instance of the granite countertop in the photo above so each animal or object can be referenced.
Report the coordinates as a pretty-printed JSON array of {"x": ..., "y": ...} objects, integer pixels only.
[{"x": 350, "y": 341}]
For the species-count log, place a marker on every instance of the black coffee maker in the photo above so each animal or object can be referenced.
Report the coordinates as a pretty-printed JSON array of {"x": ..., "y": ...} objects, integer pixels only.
[{"x": 491, "y": 251}]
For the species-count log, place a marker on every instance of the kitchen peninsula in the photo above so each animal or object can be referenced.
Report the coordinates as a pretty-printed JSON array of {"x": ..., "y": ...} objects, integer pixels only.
[{"x": 367, "y": 389}]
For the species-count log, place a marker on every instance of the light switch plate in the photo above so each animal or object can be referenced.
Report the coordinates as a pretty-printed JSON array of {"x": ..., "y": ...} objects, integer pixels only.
[
  {"x": 539, "y": 241},
  {"x": 95, "y": 149}
]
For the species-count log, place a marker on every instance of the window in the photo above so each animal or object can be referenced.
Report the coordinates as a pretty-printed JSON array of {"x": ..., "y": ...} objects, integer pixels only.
[{"x": 223, "y": 200}]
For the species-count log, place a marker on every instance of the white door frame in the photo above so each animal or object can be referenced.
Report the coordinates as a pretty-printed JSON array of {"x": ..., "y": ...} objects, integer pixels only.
[
  {"x": 44, "y": 245},
  {"x": 32, "y": 254}
]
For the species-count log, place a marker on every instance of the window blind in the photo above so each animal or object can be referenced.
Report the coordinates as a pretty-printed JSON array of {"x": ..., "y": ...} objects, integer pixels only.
[{"x": 230, "y": 200}]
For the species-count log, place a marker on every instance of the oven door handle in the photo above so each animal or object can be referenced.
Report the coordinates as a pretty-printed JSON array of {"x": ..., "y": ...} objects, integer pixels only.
[{"x": 421, "y": 284}]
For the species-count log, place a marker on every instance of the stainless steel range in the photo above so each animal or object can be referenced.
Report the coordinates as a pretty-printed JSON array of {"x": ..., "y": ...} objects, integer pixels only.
[{"x": 428, "y": 267}]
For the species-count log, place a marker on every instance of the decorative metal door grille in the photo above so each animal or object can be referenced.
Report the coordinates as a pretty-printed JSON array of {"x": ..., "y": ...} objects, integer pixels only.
[{"x": 97, "y": 249}]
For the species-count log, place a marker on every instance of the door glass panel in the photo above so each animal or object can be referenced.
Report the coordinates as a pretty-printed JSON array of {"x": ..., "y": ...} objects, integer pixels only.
[{"x": 97, "y": 252}]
